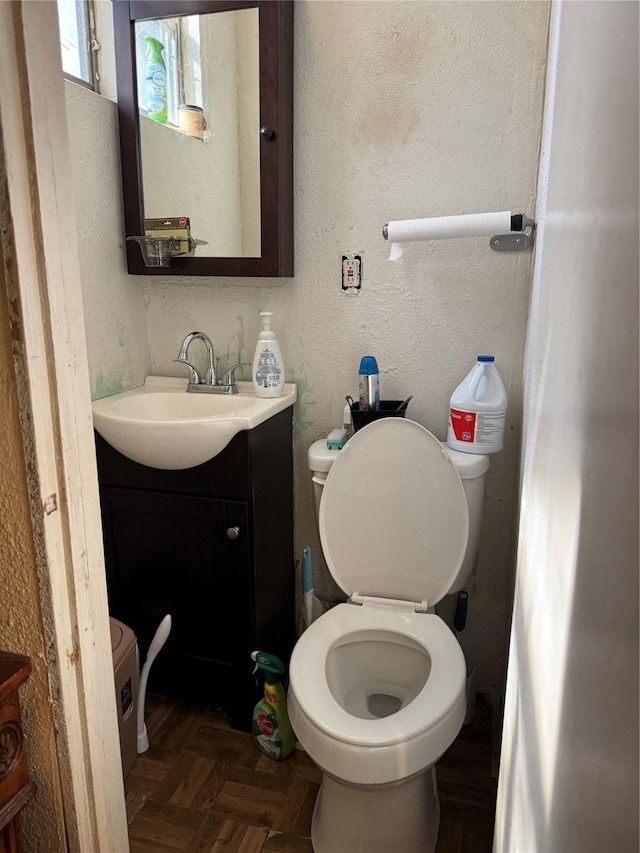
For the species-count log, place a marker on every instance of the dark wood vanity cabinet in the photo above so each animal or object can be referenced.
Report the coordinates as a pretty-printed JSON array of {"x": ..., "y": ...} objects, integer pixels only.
[{"x": 212, "y": 546}]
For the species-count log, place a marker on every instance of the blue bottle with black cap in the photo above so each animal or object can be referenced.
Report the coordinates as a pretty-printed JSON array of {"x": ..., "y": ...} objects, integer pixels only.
[{"x": 369, "y": 384}]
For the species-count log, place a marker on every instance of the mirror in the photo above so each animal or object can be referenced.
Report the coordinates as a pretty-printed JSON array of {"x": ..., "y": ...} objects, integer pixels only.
[
  {"x": 202, "y": 117},
  {"x": 205, "y": 106}
]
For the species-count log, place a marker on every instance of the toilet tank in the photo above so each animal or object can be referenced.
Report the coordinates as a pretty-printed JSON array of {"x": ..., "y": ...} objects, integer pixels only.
[
  {"x": 471, "y": 468},
  {"x": 320, "y": 460}
]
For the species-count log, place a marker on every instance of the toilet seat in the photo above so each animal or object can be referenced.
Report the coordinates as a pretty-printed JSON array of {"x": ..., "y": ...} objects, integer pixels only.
[{"x": 439, "y": 696}]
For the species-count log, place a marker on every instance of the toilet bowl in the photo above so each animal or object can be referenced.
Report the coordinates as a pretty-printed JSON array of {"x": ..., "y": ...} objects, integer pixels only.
[{"x": 377, "y": 685}]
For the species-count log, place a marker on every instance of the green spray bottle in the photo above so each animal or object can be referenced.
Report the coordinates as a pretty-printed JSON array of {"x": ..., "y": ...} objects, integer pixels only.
[
  {"x": 272, "y": 732},
  {"x": 156, "y": 80}
]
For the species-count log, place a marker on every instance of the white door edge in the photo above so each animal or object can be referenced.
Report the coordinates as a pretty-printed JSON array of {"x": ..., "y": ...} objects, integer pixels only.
[{"x": 52, "y": 370}]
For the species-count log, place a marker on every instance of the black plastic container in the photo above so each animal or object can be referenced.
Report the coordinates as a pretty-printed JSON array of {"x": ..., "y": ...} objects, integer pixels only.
[{"x": 388, "y": 409}]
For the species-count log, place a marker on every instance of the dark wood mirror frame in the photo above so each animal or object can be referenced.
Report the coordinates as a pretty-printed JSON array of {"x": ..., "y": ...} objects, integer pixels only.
[{"x": 276, "y": 153}]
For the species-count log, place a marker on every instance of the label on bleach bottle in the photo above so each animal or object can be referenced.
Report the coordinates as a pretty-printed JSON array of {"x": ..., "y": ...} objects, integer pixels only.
[{"x": 476, "y": 427}]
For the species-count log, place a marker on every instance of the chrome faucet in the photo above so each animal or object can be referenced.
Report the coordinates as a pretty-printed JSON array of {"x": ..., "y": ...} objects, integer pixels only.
[
  {"x": 208, "y": 385},
  {"x": 195, "y": 379}
]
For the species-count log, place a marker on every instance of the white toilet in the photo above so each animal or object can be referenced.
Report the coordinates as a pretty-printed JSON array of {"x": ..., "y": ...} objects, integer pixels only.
[{"x": 377, "y": 686}]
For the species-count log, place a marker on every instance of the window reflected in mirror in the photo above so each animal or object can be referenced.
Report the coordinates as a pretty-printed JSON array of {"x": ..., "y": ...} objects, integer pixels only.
[{"x": 199, "y": 111}]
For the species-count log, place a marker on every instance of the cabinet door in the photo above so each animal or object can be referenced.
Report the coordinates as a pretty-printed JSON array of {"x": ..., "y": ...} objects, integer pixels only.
[{"x": 187, "y": 556}]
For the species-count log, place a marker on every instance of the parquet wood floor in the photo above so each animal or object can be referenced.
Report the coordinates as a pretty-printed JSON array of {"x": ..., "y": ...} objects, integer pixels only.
[{"x": 204, "y": 788}]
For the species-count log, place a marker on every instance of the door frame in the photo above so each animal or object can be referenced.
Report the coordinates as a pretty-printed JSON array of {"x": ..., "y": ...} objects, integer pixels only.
[{"x": 39, "y": 251}]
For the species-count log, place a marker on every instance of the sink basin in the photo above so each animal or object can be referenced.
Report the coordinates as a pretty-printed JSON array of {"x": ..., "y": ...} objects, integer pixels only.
[{"x": 161, "y": 425}]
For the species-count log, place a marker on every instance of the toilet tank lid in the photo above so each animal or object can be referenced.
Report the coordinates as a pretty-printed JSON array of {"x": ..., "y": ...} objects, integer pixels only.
[
  {"x": 320, "y": 457},
  {"x": 468, "y": 465}
]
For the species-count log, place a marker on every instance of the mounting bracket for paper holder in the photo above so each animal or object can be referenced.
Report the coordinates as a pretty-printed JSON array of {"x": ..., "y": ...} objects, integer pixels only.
[{"x": 516, "y": 241}]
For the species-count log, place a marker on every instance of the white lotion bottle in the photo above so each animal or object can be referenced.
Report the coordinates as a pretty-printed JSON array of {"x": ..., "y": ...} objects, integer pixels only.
[{"x": 268, "y": 369}]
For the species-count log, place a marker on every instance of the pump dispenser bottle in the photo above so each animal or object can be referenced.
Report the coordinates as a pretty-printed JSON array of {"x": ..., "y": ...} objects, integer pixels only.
[{"x": 268, "y": 370}]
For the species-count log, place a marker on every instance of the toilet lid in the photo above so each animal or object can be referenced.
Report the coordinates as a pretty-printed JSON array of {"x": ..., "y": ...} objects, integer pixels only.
[{"x": 394, "y": 521}]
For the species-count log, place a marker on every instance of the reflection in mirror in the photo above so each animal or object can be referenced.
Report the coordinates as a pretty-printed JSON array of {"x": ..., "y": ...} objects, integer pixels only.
[{"x": 199, "y": 104}]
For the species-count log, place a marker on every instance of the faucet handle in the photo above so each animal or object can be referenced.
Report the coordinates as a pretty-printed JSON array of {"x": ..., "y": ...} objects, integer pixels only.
[
  {"x": 194, "y": 373},
  {"x": 229, "y": 375}
]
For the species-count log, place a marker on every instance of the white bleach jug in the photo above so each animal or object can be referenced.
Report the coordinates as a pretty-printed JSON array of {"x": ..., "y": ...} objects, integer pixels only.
[{"x": 478, "y": 410}]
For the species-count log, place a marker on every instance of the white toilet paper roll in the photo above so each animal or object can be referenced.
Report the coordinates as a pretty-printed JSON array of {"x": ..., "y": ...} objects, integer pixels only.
[
  {"x": 446, "y": 227},
  {"x": 397, "y": 250}
]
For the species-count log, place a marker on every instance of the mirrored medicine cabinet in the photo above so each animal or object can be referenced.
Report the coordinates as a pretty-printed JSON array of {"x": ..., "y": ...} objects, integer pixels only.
[{"x": 205, "y": 104}]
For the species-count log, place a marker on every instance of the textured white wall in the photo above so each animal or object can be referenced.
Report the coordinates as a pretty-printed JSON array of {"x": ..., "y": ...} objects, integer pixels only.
[
  {"x": 113, "y": 300},
  {"x": 173, "y": 165},
  {"x": 569, "y": 767},
  {"x": 402, "y": 109}
]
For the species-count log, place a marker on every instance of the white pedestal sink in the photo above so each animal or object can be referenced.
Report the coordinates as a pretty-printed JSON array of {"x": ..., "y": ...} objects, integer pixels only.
[{"x": 161, "y": 425}]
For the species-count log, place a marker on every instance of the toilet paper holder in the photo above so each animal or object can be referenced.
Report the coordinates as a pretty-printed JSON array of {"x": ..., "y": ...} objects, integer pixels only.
[{"x": 517, "y": 240}]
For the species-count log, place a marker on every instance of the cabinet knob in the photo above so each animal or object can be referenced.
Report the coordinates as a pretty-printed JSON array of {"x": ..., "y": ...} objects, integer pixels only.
[
  {"x": 266, "y": 132},
  {"x": 233, "y": 532}
]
